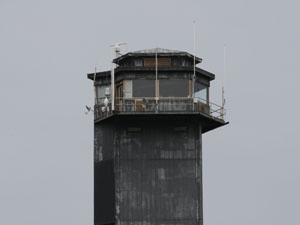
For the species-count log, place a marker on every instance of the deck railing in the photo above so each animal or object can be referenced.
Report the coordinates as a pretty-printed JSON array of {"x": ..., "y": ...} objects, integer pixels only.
[{"x": 158, "y": 105}]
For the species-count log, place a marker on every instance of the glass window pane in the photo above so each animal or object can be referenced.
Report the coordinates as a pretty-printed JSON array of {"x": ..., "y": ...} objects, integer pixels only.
[
  {"x": 128, "y": 88},
  {"x": 174, "y": 88},
  {"x": 201, "y": 93},
  {"x": 143, "y": 88},
  {"x": 101, "y": 93}
]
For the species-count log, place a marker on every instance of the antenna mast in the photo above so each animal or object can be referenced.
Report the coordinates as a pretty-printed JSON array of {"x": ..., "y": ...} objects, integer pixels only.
[
  {"x": 223, "y": 91},
  {"x": 156, "y": 88},
  {"x": 95, "y": 88},
  {"x": 194, "y": 75}
]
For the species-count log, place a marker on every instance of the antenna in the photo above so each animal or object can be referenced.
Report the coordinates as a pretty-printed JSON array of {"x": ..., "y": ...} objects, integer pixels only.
[
  {"x": 194, "y": 75},
  {"x": 95, "y": 87},
  {"x": 156, "y": 85},
  {"x": 224, "y": 83},
  {"x": 117, "y": 48},
  {"x": 112, "y": 86}
]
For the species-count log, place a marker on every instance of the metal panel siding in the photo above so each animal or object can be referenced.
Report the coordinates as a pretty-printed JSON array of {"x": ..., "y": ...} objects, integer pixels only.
[
  {"x": 104, "y": 192},
  {"x": 145, "y": 195},
  {"x": 104, "y": 142},
  {"x": 161, "y": 142},
  {"x": 157, "y": 171},
  {"x": 157, "y": 174},
  {"x": 104, "y": 175}
]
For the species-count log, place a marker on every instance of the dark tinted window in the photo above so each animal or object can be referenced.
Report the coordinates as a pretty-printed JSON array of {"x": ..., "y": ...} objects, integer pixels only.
[
  {"x": 173, "y": 88},
  {"x": 143, "y": 88}
]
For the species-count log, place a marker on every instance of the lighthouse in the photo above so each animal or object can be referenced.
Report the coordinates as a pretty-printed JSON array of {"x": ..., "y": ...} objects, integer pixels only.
[{"x": 151, "y": 110}]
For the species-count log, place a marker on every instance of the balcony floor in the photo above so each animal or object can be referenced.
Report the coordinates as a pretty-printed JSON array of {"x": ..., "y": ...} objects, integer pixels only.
[{"x": 208, "y": 122}]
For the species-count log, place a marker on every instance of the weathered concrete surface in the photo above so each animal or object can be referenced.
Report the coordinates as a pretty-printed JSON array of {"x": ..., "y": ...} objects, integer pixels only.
[{"x": 157, "y": 171}]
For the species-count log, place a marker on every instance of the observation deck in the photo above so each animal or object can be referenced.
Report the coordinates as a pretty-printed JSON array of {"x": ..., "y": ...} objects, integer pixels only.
[
  {"x": 175, "y": 107},
  {"x": 156, "y": 83}
]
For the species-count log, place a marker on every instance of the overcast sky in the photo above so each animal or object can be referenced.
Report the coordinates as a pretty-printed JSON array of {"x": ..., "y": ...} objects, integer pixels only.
[{"x": 251, "y": 167}]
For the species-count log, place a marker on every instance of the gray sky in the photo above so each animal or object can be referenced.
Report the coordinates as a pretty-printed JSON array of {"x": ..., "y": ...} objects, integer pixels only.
[{"x": 251, "y": 167}]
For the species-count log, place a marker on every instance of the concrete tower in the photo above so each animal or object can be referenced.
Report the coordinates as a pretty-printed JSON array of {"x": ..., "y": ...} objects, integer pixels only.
[{"x": 148, "y": 138}]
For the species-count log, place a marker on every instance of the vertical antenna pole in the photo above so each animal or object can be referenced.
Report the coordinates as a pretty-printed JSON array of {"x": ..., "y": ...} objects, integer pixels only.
[
  {"x": 156, "y": 88},
  {"x": 95, "y": 88},
  {"x": 223, "y": 91},
  {"x": 96, "y": 107},
  {"x": 194, "y": 75},
  {"x": 112, "y": 87}
]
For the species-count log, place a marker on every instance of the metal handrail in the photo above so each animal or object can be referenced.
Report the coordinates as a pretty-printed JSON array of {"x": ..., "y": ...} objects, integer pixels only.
[{"x": 160, "y": 104}]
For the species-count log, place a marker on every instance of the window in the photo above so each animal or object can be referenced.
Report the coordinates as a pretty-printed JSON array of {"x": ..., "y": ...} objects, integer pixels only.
[
  {"x": 143, "y": 88},
  {"x": 201, "y": 93},
  {"x": 167, "y": 88},
  {"x": 128, "y": 88},
  {"x": 101, "y": 93},
  {"x": 173, "y": 88}
]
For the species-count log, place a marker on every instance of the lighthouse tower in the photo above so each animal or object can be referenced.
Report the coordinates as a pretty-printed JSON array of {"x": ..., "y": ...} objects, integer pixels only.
[{"x": 150, "y": 112}]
